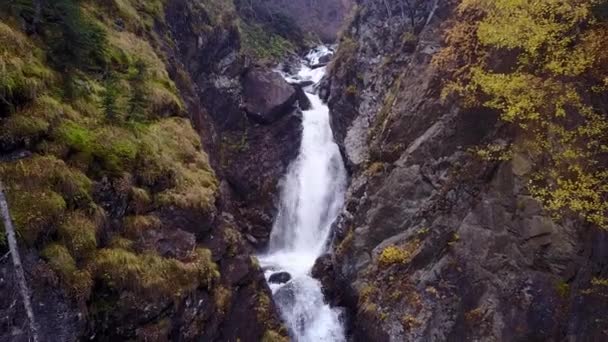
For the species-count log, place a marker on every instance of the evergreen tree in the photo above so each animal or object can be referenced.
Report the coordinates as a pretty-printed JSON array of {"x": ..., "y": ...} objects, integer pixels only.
[
  {"x": 137, "y": 103},
  {"x": 109, "y": 100}
]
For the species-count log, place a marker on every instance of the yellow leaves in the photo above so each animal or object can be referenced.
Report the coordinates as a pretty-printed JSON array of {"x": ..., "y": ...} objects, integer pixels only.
[
  {"x": 393, "y": 255},
  {"x": 559, "y": 65},
  {"x": 575, "y": 190},
  {"x": 545, "y": 31}
]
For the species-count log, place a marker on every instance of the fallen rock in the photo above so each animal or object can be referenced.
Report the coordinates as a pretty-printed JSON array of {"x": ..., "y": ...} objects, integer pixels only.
[
  {"x": 267, "y": 96},
  {"x": 303, "y": 84},
  {"x": 303, "y": 101},
  {"x": 286, "y": 295},
  {"x": 279, "y": 278},
  {"x": 319, "y": 65},
  {"x": 326, "y": 58}
]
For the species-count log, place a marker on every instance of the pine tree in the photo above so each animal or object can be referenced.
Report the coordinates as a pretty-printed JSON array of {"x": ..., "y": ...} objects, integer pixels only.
[
  {"x": 137, "y": 103},
  {"x": 109, "y": 99}
]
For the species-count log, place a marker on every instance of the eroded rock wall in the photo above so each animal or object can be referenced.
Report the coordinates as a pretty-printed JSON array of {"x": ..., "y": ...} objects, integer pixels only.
[{"x": 436, "y": 244}]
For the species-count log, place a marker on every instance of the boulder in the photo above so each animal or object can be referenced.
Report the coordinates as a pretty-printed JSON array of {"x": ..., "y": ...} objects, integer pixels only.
[
  {"x": 326, "y": 58},
  {"x": 267, "y": 96},
  {"x": 286, "y": 295},
  {"x": 279, "y": 278},
  {"x": 318, "y": 65},
  {"x": 303, "y": 101},
  {"x": 170, "y": 243}
]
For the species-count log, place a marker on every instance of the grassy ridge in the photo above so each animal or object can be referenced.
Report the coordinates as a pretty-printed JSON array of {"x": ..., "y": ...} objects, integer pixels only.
[{"x": 86, "y": 93}]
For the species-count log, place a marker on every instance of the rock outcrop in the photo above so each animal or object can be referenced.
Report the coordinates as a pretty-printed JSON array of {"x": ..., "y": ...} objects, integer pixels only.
[
  {"x": 436, "y": 244},
  {"x": 267, "y": 96}
]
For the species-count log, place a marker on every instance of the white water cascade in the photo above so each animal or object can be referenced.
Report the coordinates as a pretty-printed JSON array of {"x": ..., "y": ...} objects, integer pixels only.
[{"x": 311, "y": 198}]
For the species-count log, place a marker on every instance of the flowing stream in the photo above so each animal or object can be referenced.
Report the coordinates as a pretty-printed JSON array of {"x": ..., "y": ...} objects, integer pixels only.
[{"x": 312, "y": 196}]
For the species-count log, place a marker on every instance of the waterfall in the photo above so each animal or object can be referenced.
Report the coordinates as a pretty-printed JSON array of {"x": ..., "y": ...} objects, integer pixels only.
[{"x": 312, "y": 195}]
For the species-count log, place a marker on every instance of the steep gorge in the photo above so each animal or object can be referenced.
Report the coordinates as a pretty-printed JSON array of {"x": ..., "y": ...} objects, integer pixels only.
[
  {"x": 137, "y": 233},
  {"x": 143, "y": 155}
]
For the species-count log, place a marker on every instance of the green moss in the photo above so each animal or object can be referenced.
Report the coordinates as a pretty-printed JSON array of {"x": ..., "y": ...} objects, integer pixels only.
[
  {"x": 127, "y": 51},
  {"x": 115, "y": 147},
  {"x": 77, "y": 282},
  {"x": 351, "y": 90},
  {"x": 155, "y": 332},
  {"x": 135, "y": 226},
  {"x": 78, "y": 233},
  {"x": 22, "y": 71},
  {"x": 32, "y": 121},
  {"x": 119, "y": 242},
  {"x": 35, "y": 212},
  {"x": 233, "y": 239},
  {"x": 222, "y": 297},
  {"x": 262, "y": 308},
  {"x": 39, "y": 190},
  {"x": 137, "y": 15},
  {"x": 140, "y": 200},
  {"x": 273, "y": 336},
  {"x": 152, "y": 275},
  {"x": 563, "y": 289},
  {"x": 171, "y": 150},
  {"x": 220, "y": 12}
]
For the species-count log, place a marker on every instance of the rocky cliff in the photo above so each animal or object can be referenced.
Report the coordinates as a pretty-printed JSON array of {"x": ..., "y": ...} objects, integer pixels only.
[
  {"x": 129, "y": 229},
  {"x": 436, "y": 243}
]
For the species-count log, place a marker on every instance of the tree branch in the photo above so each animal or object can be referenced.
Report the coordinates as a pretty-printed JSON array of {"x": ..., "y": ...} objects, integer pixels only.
[{"x": 14, "y": 251}]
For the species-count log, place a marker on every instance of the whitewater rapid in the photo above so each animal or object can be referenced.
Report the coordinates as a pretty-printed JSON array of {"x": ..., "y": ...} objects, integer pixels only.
[{"x": 312, "y": 195}]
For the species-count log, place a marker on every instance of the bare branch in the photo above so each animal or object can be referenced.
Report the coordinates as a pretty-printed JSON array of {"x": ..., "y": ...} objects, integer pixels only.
[{"x": 14, "y": 251}]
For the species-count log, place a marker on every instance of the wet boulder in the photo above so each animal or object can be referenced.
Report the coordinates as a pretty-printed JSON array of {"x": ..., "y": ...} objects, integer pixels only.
[
  {"x": 279, "y": 278},
  {"x": 325, "y": 59},
  {"x": 303, "y": 101},
  {"x": 286, "y": 295},
  {"x": 267, "y": 96}
]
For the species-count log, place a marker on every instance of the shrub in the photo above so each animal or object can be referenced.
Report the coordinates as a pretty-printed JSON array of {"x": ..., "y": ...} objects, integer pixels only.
[
  {"x": 393, "y": 255},
  {"x": 75, "y": 41},
  {"x": 550, "y": 91}
]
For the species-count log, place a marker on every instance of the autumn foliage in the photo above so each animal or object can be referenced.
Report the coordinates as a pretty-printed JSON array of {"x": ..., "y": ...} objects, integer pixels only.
[{"x": 542, "y": 66}]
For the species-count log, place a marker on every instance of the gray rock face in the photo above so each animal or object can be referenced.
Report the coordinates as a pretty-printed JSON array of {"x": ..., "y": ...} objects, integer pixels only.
[
  {"x": 435, "y": 244},
  {"x": 267, "y": 95},
  {"x": 243, "y": 114}
]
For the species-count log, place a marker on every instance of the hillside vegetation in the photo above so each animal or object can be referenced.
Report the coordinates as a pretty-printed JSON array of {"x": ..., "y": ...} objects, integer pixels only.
[{"x": 550, "y": 84}]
